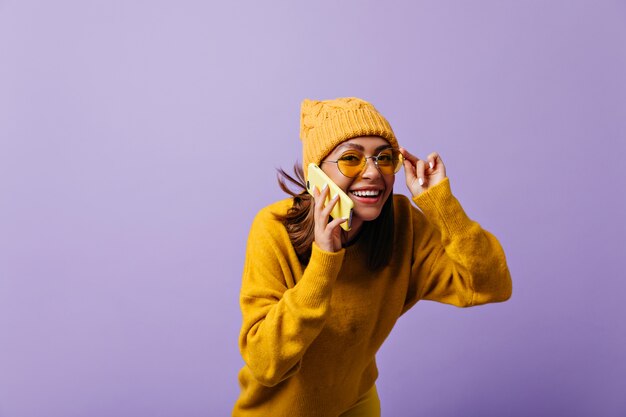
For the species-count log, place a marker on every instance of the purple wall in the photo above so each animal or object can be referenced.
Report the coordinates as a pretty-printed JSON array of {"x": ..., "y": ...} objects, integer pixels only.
[{"x": 138, "y": 139}]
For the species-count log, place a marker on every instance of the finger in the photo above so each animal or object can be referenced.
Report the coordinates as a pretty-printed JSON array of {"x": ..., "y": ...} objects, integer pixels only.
[
  {"x": 330, "y": 205},
  {"x": 320, "y": 195},
  {"x": 420, "y": 169},
  {"x": 409, "y": 156},
  {"x": 335, "y": 223},
  {"x": 318, "y": 212},
  {"x": 409, "y": 170},
  {"x": 432, "y": 160},
  {"x": 409, "y": 165},
  {"x": 439, "y": 168},
  {"x": 317, "y": 192}
]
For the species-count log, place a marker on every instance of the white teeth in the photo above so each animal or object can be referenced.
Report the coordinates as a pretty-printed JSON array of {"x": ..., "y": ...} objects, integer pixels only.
[{"x": 366, "y": 193}]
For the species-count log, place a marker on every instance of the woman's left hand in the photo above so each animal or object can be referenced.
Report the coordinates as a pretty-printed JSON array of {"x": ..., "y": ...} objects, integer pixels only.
[{"x": 422, "y": 174}]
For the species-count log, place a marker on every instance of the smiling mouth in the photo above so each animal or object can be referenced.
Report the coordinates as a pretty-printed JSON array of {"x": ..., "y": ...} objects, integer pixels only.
[{"x": 366, "y": 193}]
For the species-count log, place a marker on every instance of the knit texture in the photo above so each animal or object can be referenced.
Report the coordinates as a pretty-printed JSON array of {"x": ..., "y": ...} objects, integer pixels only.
[
  {"x": 310, "y": 333},
  {"x": 325, "y": 124}
]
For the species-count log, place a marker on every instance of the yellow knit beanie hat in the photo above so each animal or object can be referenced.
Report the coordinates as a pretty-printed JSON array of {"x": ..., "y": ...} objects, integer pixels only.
[{"x": 325, "y": 124}]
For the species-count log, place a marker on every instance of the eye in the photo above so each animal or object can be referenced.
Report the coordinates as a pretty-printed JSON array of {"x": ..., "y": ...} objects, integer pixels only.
[
  {"x": 385, "y": 157},
  {"x": 351, "y": 158}
]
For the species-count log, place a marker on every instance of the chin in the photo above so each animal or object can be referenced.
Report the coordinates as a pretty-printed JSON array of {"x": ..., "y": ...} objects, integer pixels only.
[{"x": 367, "y": 215}]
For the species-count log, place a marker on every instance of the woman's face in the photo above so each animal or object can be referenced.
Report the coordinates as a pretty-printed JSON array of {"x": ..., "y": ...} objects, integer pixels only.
[{"x": 370, "y": 189}]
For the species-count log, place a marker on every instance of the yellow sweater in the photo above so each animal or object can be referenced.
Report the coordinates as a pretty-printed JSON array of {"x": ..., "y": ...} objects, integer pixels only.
[{"x": 310, "y": 333}]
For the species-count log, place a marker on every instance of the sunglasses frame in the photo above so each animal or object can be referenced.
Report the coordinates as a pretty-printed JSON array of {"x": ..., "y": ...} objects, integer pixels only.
[{"x": 374, "y": 157}]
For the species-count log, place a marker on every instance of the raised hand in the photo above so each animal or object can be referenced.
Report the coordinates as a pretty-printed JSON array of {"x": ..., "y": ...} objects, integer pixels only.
[
  {"x": 327, "y": 235},
  {"x": 422, "y": 174}
]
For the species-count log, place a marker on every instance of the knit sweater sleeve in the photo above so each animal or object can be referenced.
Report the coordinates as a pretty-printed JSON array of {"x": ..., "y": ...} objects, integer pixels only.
[
  {"x": 456, "y": 261},
  {"x": 283, "y": 312}
]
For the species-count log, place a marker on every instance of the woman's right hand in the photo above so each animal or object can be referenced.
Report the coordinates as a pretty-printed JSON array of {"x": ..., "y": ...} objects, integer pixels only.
[{"x": 327, "y": 235}]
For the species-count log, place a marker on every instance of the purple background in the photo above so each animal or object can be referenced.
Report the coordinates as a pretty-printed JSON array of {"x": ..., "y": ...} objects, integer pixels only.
[{"x": 139, "y": 138}]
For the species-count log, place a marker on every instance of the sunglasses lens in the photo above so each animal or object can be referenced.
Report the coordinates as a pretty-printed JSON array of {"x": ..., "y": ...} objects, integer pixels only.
[
  {"x": 389, "y": 161},
  {"x": 351, "y": 163}
]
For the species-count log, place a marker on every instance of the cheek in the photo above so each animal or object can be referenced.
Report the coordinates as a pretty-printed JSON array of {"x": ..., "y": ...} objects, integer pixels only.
[
  {"x": 389, "y": 181},
  {"x": 343, "y": 182},
  {"x": 337, "y": 177}
]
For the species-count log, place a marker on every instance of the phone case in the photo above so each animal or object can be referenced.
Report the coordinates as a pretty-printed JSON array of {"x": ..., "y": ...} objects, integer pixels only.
[{"x": 343, "y": 208}]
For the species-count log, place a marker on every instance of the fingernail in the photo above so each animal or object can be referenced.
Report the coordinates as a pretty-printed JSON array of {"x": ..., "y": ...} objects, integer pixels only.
[
  {"x": 324, "y": 187},
  {"x": 335, "y": 196},
  {"x": 431, "y": 164},
  {"x": 421, "y": 181}
]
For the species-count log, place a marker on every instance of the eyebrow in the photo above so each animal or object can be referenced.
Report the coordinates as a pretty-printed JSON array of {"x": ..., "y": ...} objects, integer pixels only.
[{"x": 361, "y": 148}]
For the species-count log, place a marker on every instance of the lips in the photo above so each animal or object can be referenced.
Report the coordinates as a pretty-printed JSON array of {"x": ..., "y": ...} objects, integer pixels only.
[{"x": 366, "y": 193}]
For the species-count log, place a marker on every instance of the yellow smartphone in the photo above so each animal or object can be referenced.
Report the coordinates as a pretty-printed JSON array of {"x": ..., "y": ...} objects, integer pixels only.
[{"x": 343, "y": 209}]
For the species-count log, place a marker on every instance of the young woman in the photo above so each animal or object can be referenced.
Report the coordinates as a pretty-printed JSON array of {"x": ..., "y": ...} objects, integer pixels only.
[{"x": 318, "y": 301}]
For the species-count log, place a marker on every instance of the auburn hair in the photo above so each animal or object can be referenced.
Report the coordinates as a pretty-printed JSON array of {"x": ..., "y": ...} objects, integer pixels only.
[{"x": 377, "y": 235}]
